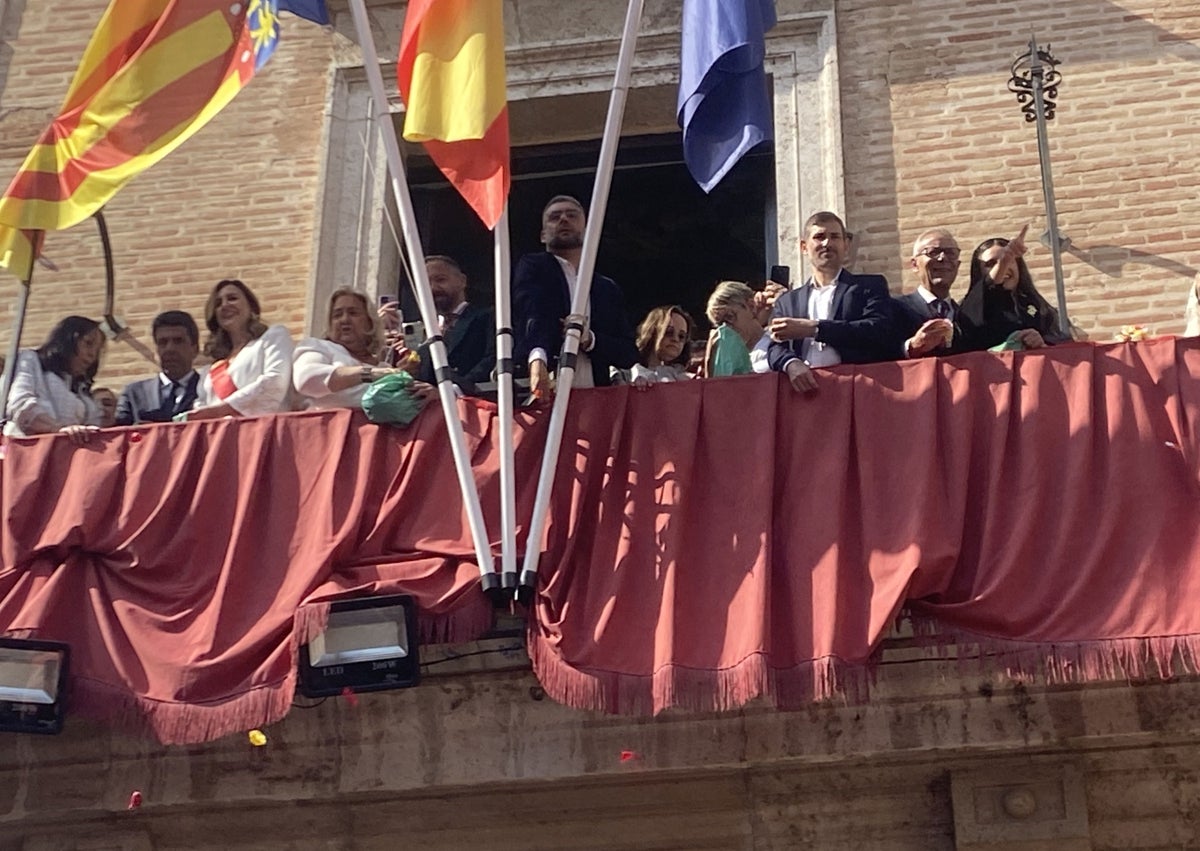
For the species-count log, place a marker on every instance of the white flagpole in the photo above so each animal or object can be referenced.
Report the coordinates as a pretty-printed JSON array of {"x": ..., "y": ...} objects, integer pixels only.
[
  {"x": 504, "y": 390},
  {"x": 429, "y": 315},
  {"x": 580, "y": 301}
]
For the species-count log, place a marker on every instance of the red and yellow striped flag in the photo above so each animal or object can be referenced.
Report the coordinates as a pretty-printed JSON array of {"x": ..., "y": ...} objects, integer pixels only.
[
  {"x": 153, "y": 73},
  {"x": 452, "y": 78}
]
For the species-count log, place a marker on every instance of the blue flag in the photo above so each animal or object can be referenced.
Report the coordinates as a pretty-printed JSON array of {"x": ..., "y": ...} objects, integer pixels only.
[
  {"x": 724, "y": 107},
  {"x": 312, "y": 10}
]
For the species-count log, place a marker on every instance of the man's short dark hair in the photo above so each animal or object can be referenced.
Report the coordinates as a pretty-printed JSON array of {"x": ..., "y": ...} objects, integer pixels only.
[
  {"x": 559, "y": 199},
  {"x": 824, "y": 217},
  {"x": 176, "y": 319},
  {"x": 447, "y": 259}
]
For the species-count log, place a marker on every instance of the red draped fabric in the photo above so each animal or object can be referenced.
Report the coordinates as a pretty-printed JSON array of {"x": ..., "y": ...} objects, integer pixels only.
[
  {"x": 173, "y": 558},
  {"x": 710, "y": 542},
  {"x": 743, "y": 540}
]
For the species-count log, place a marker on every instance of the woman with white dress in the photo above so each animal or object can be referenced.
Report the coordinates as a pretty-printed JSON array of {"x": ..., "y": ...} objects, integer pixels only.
[
  {"x": 251, "y": 372},
  {"x": 334, "y": 372}
]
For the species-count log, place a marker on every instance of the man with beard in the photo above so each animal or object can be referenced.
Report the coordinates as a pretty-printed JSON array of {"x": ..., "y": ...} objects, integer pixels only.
[
  {"x": 468, "y": 329},
  {"x": 542, "y": 288},
  {"x": 172, "y": 391},
  {"x": 927, "y": 316},
  {"x": 835, "y": 316}
]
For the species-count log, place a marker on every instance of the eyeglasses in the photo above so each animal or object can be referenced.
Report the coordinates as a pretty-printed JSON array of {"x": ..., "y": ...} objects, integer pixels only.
[
  {"x": 934, "y": 253},
  {"x": 672, "y": 334}
]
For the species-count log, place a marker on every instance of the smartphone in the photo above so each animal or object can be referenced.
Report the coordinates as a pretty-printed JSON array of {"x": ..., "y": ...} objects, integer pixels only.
[
  {"x": 781, "y": 275},
  {"x": 414, "y": 334},
  {"x": 386, "y": 299}
]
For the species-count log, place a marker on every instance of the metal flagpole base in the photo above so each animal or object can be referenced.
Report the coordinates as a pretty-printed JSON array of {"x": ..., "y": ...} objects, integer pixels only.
[
  {"x": 527, "y": 587},
  {"x": 494, "y": 591},
  {"x": 510, "y": 579}
]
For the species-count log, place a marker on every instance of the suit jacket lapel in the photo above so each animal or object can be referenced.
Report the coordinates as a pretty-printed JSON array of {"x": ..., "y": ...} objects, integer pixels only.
[
  {"x": 839, "y": 293},
  {"x": 459, "y": 329},
  {"x": 802, "y": 297},
  {"x": 189, "y": 394}
]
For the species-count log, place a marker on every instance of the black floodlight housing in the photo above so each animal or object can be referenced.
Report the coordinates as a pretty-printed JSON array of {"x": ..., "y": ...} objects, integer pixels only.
[
  {"x": 33, "y": 685},
  {"x": 370, "y": 644}
]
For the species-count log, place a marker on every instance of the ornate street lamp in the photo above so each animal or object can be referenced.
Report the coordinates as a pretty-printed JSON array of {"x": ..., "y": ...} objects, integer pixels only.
[{"x": 1034, "y": 81}]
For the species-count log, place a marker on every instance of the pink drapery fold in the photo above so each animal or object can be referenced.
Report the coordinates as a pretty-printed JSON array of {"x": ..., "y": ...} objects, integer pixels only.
[
  {"x": 186, "y": 566},
  {"x": 710, "y": 542},
  {"x": 1044, "y": 505}
]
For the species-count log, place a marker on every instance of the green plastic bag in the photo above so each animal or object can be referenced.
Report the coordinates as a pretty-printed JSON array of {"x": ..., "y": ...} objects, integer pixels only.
[{"x": 390, "y": 400}]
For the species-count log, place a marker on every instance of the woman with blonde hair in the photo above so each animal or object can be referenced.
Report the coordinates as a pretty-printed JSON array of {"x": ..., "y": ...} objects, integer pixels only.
[
  {"x": 334, "y": 372},
  {"x": 735, "y": 313},
  {"x": 251, "y": 372}
]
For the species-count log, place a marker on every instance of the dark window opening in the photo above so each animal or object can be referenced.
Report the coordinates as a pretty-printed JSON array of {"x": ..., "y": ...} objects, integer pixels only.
[{"x": 664, "y": 240}]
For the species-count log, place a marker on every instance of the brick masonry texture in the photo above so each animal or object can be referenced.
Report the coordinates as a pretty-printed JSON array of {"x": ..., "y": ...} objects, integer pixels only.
[
  {"x": 931, "y": 136},
  {"x": 239, "y": 199}
]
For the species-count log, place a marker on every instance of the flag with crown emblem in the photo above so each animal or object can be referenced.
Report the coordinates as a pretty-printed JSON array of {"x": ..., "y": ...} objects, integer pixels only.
[{"x": 153, "y": 74}]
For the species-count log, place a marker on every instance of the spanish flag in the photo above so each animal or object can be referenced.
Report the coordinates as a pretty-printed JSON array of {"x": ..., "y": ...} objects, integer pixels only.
[
  {"x": 153, "y": 73},
  {"x": 452, "y": 78}
]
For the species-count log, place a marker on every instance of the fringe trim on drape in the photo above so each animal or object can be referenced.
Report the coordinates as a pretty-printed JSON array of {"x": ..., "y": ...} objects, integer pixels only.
[
  {"x": 181, "y": 723},
  {"x": 468, "y": 621},
  {"x": 696, "y": 690},
  {"x": 1067, "y": 662}
]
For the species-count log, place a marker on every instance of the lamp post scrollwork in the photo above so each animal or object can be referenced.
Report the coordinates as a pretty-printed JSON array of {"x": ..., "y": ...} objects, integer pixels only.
[{"x": 1035, "y": 80}]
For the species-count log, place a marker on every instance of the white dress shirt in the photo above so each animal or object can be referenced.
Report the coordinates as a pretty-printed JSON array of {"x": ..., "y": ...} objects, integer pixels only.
[
  {"x": 262, "y": 372},
  {"x": 820, "y": 306},
  {"x": 583, "y": 365},
  {"x": 35, "y": 391}
]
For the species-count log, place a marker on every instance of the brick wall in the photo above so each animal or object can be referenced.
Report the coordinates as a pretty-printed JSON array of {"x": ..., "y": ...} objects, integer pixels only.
[
  {"x": 932, "y": 137},
  {"x": 237, "y": 200},
  {"x": 930, "y": 134}
]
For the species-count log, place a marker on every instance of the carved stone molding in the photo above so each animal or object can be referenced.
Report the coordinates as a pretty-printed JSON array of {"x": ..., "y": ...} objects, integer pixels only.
[
  {"x": 553, "y": 54},
  {"x": 1020, "y": 806}
]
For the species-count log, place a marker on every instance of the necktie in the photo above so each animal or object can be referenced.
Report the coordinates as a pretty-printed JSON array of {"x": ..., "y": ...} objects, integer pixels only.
[
  {"x": 448, "y": 322},
  {"x": 941, "y": 308},
  {"x": 170, "y": 394}
]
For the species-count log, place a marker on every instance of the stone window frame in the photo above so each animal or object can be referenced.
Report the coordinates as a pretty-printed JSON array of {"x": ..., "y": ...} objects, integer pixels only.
[{"x": 354, "y": 245}]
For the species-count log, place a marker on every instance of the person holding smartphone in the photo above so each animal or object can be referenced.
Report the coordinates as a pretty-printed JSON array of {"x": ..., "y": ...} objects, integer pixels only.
[
  {"x": 335, "y": 371},
  {"x": 467, "y": 329}
]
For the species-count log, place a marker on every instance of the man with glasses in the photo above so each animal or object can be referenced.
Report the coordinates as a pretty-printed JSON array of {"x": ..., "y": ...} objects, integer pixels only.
[
  {"x": 835, "y": 316},
  {"x": 927, "y": 315}
]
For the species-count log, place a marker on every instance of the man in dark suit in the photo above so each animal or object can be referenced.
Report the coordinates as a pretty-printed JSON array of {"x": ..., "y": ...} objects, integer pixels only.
[
  {"x": 172, "y": 391},
  {"x": 541, "y": 290},
  {"x": 927, "y": 317},
  {"x": 835, "y": 316},
  {"x": 468, "y": 329}
]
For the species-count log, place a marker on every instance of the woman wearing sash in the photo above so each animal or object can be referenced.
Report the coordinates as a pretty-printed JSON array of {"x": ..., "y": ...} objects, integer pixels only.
[{"x": 251, "y": 372}]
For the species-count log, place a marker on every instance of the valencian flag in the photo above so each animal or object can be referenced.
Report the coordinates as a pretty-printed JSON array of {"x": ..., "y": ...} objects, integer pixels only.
[
  {"x": 452, "y": 78},
  {"x": 153, "y": 73},
  {"x": 723, "y": 107}
]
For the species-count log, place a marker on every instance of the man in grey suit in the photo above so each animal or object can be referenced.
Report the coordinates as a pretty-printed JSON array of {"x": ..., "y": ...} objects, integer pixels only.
[{"x": 172, "y": 391}]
